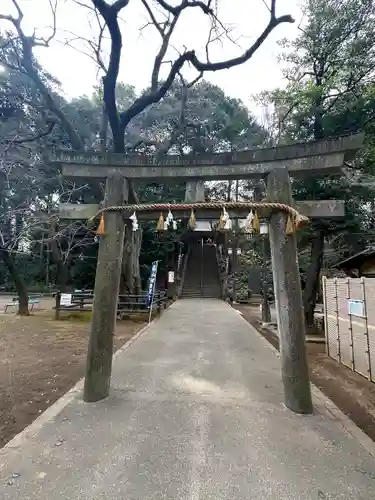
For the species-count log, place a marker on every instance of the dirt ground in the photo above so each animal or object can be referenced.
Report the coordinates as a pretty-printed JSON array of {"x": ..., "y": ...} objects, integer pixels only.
[
  {"x": 41, "y": 359},
  {"x": 352, "y": 393}
]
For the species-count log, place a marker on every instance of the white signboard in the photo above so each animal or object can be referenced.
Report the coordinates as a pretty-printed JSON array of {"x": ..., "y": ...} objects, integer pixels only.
[
  {"x": 356, "y": 308},
  {"x": 66, "y": 299},
  {"x": 170, "y": 276}
]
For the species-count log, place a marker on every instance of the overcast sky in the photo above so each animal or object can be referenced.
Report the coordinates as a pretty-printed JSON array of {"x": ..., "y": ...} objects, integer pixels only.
[{"x": 78, "y": 73}]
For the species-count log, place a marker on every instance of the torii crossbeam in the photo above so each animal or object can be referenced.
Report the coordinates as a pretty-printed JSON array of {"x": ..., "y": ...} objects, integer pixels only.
[{"x": 300, "y": 159}]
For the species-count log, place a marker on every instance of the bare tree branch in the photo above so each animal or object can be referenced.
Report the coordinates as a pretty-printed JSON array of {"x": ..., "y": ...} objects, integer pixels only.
[
  {"x": 230, "y": 63},
  {"x": 95, "y": 52},
  {"x": 119, "y": 5},
  {"x": 26, "y": 65},
  {"x": 19, "y": 11},
  {"x": 153, "y": 19},
  {"x": 196, "y": 80},
  {"x": 165, "y": 29},
  {"x": 267, "y": 6},
  {"x": 32, "y": 138},
  {"x": 53, "y": 7},
  {"x": 161, "y": 54},
  {"x": 145, "y": 100},
  {"x": 95, "y": 47},
  {"x": 273, "y": 9},
  {"x": 176, "y": 10}
]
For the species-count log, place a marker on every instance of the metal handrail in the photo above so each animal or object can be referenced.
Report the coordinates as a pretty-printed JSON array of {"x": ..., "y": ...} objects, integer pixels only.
[
  {"x": 223, "y": 273},
  {"x": 184, "y": 266},
  {"x": 202, "y": 257}
]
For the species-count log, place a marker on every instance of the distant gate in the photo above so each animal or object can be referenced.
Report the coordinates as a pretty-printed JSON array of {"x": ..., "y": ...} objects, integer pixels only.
[{"x": 349, "y": 316}]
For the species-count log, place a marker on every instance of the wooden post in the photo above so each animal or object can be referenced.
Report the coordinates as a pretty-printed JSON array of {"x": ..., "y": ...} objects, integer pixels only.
[
  {"x": 289, "y": 306},
  {"x": 107, "y": 281},
  {"x": 57, "y": 305}
]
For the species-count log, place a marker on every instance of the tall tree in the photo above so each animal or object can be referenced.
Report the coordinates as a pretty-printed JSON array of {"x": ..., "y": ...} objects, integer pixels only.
[
  {"x": 24, "y": 123},
  {"x": 329, "y": 68}
]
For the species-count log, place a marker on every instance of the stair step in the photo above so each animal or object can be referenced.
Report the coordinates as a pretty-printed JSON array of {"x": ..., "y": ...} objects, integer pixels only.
[
  {"x": 201, "y": 274},
  {"x": 205, "y": 294}
]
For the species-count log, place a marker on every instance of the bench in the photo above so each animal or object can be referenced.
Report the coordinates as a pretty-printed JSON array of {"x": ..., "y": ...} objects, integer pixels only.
[{"x": 34, "y": 299}]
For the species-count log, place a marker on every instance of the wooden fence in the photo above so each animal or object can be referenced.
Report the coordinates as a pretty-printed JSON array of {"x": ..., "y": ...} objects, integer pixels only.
[
  {"x": 83, "y": 302},
  {"x": 349, "y": 317}
]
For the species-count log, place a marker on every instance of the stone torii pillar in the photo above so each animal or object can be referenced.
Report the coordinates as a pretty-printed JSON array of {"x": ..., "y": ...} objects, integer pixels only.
[
  {"x": 288, "y": 295},
  {"x": 107, "y": 283}
]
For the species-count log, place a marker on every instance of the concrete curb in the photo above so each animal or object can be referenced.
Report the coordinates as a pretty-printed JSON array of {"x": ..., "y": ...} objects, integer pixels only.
[
  {"x": 50, "y": 413},
  {"x": 326, "y": 404},
  {"x": 350, "y": 427}
]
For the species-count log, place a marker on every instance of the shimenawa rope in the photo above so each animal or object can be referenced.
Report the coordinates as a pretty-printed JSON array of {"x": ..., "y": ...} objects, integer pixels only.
[{"x": 294, "y": 220}]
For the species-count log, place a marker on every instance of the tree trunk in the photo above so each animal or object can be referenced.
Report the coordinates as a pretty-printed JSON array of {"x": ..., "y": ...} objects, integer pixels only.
[
  {"x": 312, "y": 280},
  {"x": 62, "y": 275},
  {"x": 229, "y": 191},
  {"x": 62, "y": 266},
  {"x": 23, "y": 298},
  {"x": 317, "y": 246},
  {"x": 103, "y": 131},
  {"x": 131, "y": 277}
]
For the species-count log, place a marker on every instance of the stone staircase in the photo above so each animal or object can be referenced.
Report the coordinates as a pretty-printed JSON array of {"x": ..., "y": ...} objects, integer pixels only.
[{"x": 201, "y": 274}]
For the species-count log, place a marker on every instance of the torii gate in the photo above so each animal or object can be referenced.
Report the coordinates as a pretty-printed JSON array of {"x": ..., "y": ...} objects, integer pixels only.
[{"x": 274, "y": 164}]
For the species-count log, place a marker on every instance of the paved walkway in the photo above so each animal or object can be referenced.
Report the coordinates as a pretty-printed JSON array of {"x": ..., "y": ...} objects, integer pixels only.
[{"x": 195, "y": 413}]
